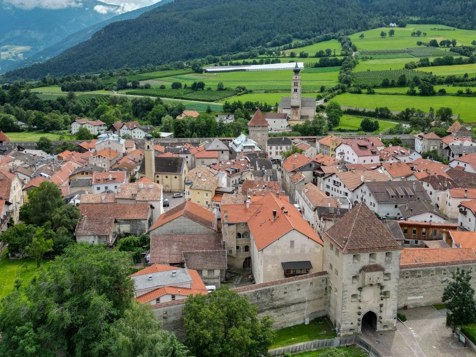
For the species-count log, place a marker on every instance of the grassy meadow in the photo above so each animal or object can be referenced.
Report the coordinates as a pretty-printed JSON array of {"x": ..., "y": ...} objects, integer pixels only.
[
  {"x": 25, "y": 136},
  {"x": 334, "y": 45},
  {"x": 11, "y": 270},
  {"x": 352, "y": 123},
  {"x": 463, "y": 106}
]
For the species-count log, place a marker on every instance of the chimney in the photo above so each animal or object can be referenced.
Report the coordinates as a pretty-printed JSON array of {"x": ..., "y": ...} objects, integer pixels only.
[
  {"x": 274, "y": 215},
  {"x": 465, "y": 193},
  {"x": 247, "y": 202},
  {"x": 174, "y": 273}
]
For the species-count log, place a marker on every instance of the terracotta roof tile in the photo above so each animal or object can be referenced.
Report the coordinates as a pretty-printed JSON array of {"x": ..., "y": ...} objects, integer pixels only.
[
  {"x": 109, "y": 177},
  {"x": 295, "y": 161},
  {"x": 468, "y": 159},
  {"x": 464, "y": 193},
  {"x": 398, "y": 169},
  {"x": 463, "y": 239},
  {"x": 205, "y": 259},
  {"x": 126, "y": 211},
  {"x": 154, "y": 268},
  {"x": 423, "y": 257},
  {"x": 258, "y": 119},
  {"x": 330, "y": 140},
  {"x": 325, "y": 160},
  {"x": 266, "y": 230},
  {"x": 189, "y": 210},
  {"x": 456, "y": 126},
  {"x": 359, "y": 230},
  {"x": 431, "y": 136},
  {"x": 108, "y": 154},
  {"x": 4, "y": 137},
  {"x": 471, "y": 205},
  {"x": 318, "y": 198}
]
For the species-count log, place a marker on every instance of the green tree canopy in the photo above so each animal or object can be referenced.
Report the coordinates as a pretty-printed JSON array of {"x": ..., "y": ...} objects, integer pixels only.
[
  {"x": 42, "y": 202},
  {"x": 458, "y": 297},
  {"x": 224, "y": 323},
  {"x": 334, "y": 113},
  {"x": 81, "y": 305},
  {"x": 84, "y": 134}
]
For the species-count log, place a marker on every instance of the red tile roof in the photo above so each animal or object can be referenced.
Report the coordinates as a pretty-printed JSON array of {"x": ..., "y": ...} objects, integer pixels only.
[
  {"x": 125, "y": 211},
  {"x": 431, "y": 136},
  {"x": 463, "y": 239},
  {"x": 398, "y": 169},
  {"x": 258, "y": 119},
  {"x": 465, "y": 193},
  {"x": 34, "y": 182},
  {"x": 109, "y": 177},
  {"x": 266, "y": 230},
  {"x": 468, "y": 159},
  {"x": 325, "y": 160},
  {"x": 204, "y": 154},
  {"x": 456, "y": 126},
  {"x": 295, "y": 161},
  {"x": 424, "y": 257},
  {"x": 108, "y": 154},
  {"x": 359, "y": 230},
  {"x": 154, "y": 268},
  {"x": 471, "y": 205},
  {"x": 189, "y": 210}
]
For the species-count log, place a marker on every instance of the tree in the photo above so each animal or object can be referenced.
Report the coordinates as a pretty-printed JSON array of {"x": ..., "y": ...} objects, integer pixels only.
[
  {"x": 458, "y": 297},
  {"x": 369, "y": 125},
  {"x": 224, "y": 323},
  {"x": 383, "y": 34},
  {"x": 81, "y": 305},
  {"x": 39, "y": 246},
  {"x": 444, "y": 114},
  {"x": 293, "y": 150},
  {"x": 220, "y": 86},
  {"x": 42, "y": 202},
  {"x": 18, "y": 237},
  {"x": 84, "y": 134},
  {"x": 361, "y": 36},
  {"x": 391, "y": 32},
  {"x": 44, "y": 144},
  {"x": 334, "y": 113},
  {"x": 176, "y": 85}
]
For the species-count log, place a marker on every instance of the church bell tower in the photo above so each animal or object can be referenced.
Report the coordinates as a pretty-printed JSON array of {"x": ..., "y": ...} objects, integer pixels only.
[{"x": 296, "y": 90}]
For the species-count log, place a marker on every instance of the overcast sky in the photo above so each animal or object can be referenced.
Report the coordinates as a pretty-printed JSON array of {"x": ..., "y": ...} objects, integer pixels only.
[{"x": 118, "y": 6}]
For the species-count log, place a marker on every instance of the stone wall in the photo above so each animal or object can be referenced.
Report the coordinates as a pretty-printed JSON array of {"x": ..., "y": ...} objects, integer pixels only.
[
  {"x": 288, "y": 302},
  {"x": 423, "y": 286}
]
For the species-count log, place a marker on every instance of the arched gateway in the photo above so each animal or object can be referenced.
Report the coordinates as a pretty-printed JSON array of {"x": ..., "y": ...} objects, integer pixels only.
[{"x": 363, "y": 262}]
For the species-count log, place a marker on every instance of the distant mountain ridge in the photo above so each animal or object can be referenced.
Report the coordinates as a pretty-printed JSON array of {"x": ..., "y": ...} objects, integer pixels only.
[{"x": 188, "y": 29}]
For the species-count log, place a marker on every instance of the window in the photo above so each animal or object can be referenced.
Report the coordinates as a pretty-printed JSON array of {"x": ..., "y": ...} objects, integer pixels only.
[
  {"x": 356, "y": 258},
  {"x": 355, "y": 279},
  {"x": 387, "y": 276},
  {"x": 405, "y": 230},
  {"x": 414, "y": 233},
  {"x": 372, "y": 257},
  {"x": 210, "y": 272},
  {"x": 237, "y": 249},
  {"x": 386, "y": 294},
  {"x": 157, "y": 301},
  {"x": 388, "y": 256},
  {"x": 331, "y": 267},
  {"x": 291, "y": 244},
  {"x": 173, "y": 297},
  {"x": 423, "y": 232},
  {"x": 354, "y": 298},
  {"x": 331, "y": 247},
  {"x": 247, "y": 248}
]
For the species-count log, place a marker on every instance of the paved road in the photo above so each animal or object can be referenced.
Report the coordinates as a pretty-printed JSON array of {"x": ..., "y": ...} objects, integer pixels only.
[
  {"x": 424, "y": 334},
  {"x": 173, "y": 202}
]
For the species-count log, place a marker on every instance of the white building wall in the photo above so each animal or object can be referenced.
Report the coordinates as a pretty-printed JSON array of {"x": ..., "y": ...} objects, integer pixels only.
[{"x": 467, "y": 221}]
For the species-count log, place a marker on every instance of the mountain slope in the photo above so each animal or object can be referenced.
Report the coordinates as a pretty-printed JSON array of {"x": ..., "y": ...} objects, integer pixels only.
[{"x": 187, "y": 29}]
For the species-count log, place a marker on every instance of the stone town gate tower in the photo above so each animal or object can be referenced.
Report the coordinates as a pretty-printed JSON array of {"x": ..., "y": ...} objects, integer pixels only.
[
  {"x": 363, "y": 262},
  {"x": 149, "y": 158}
]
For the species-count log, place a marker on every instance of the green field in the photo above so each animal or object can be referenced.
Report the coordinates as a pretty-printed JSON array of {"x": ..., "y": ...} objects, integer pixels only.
[
  {"x": 403, "y": 90},
  {"x": 464, "y": 106},
  {"x": 312, "y": 49},
  {"x": 270, "y": 98},
  {"x": 202, "y": 95},
  {"x": 403, "y": 39},
  {"x": 11, "y": 270},
  {"x": 36, "y": 135},
  {"x": 457, "y": 69},
  {"x": 320, "y": 328},
  {"x": 470, "y": 331},
  {"x": 312, "y": 79},
  {"x": 375, "y": 78},
  {"x": 352, "y": 123}
]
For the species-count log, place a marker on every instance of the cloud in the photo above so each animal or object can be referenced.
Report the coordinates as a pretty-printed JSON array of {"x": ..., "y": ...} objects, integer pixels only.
[
  {"x": 43, "y": 4},
  {"x": 106, "y": 6}
]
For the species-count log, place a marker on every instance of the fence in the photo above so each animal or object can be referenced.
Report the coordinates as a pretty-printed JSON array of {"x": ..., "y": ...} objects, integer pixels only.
[{"x": 319, "y": 344}]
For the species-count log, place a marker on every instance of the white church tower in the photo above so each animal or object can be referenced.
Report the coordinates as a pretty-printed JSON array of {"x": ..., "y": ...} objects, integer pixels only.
[{"x": 296, "y": 90}]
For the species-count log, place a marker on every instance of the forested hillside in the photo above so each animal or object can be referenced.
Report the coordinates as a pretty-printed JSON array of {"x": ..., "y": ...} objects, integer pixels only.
[{"x": 188, "y": 29}]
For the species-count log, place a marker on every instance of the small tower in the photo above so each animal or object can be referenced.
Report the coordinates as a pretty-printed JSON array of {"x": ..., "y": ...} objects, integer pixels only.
[
  {"x": 149, "y": 157},
  {"x": 258, "y": 129},
  {"x": 296, "y": 90},
  {"x": 363, "y": 261}
]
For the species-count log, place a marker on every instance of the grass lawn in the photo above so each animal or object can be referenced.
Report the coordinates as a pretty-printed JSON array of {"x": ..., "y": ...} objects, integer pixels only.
[
  {"x": 470, "y": 331},
  {"x": 312, "y": 79},
  {"x": 403, "y": 90},
  {"x": 198, "y": 106},
  {"x": 352, "y": 123},
  {"x": 270, "y": 98},
  {"x": 439, "y": 306},
  {"x": 348, "y": 351},
  {"x": 382, "y": 64},
  {"x": 36, "y": 135},
  {"x": 10, "y": 270},
  {"x": 457, "y": 69},
  {"x": 320, "y": 328},
  {"x": 402, "y": 39},
  {"x": 464, "y": 106}
]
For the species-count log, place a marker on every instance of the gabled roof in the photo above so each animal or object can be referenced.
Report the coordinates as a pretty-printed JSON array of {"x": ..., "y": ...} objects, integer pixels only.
[
  {"x": 258, "y": 119},
  {"x": 126, "y": 211},
  {"x": 325, "y": 160},
  {"x": 424, "y": 257},
  {"x": 318, "y": 198},
  {"x": 463, "y": 193},
  {"x": 281, "y": 141},
  {"x": 109, "y": 177},
  {"x": 463, "y": 239},
  {"x": 354, "y": 179},
  {"x": 154, "y": 268},
  {"x": 216, "y": 145},
  {"x": 329, "y": 140},
  {"x": 266, "y": 229},
  {"x": 398, "y": 169},
  {"x": 471, "y": 205},
  {"x": 456, "y": 126},
  {"x": 431, "y": 136},
  {"x": 295, "y": 162},
  {"x": 190, "y": 210},
  {"x": 205, "y": 259},
  {"x": 469, "y": 159},
  {"x": 359, "y": 230}
]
